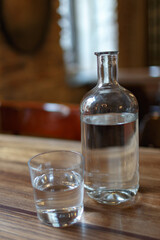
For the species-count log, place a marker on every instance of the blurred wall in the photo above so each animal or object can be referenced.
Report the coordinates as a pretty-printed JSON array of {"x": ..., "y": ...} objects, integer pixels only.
[
  {"x": 39, "y": 76},
  {"x": 133, "y": 40}
]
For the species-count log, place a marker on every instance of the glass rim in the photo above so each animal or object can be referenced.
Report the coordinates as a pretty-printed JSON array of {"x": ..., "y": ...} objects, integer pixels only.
[
  {"x": 56, "y": 151},
  {"x": 106, "y": 52}
]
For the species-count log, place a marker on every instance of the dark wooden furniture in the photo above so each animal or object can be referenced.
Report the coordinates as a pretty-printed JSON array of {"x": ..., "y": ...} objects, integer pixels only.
[
  {"x": 139, "y": 220},
  {"x": 40, "y": 119},
  {"x": 150, "y": 129}
]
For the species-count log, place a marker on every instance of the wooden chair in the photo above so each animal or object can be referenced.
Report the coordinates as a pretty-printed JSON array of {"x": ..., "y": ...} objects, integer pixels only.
[{"x": 40, "y": 119}]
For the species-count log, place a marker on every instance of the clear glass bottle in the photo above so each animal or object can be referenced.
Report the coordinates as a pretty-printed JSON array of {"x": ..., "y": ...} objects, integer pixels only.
[{"x": 110, "y": 136}]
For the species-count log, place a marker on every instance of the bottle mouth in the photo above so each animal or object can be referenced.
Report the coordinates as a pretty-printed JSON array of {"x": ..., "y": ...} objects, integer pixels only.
[{"x": 106, "y": 53}]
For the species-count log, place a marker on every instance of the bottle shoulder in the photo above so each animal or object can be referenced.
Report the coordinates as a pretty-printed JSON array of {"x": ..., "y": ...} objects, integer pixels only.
[{"x": 109, "y": 99}]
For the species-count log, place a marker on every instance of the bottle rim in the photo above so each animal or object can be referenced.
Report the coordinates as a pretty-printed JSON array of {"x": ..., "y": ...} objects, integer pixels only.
[{"x": 106, "y": 53}]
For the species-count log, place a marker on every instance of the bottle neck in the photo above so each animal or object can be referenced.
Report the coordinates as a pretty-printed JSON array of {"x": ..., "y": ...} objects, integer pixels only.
[{"x": 107, "y": 68}]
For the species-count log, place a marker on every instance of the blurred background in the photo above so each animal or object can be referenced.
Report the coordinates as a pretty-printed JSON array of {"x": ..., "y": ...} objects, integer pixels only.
[{"x": 47, "y": 48}]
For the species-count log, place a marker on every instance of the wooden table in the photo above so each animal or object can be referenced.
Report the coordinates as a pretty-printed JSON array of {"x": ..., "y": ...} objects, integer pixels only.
[{"x": 138, "y": 220}]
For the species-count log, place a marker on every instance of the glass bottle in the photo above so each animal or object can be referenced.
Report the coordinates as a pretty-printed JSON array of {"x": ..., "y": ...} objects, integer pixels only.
[{"x": 110, "y": 136}]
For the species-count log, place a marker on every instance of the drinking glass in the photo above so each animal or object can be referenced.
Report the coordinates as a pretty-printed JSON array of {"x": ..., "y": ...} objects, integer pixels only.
[{"x": 57, "y": 178}]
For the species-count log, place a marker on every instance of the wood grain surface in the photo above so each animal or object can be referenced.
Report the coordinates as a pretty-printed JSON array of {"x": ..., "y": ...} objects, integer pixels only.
[{"x": 137, "y": 220}]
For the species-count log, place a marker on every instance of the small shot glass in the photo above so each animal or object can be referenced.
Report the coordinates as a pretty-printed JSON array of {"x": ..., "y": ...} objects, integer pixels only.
[{"x": 57, "y": 178}]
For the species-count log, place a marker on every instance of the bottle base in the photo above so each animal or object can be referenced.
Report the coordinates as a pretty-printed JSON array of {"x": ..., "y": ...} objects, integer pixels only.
[{"x": 112, "y": 197}]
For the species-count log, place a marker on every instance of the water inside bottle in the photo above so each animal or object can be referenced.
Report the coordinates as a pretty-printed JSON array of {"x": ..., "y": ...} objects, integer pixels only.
[{"x": 110, "y": 148}]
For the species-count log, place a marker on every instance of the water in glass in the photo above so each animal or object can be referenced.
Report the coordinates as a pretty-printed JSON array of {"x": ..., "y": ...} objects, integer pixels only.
[{"x": 59, "y": 198}]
